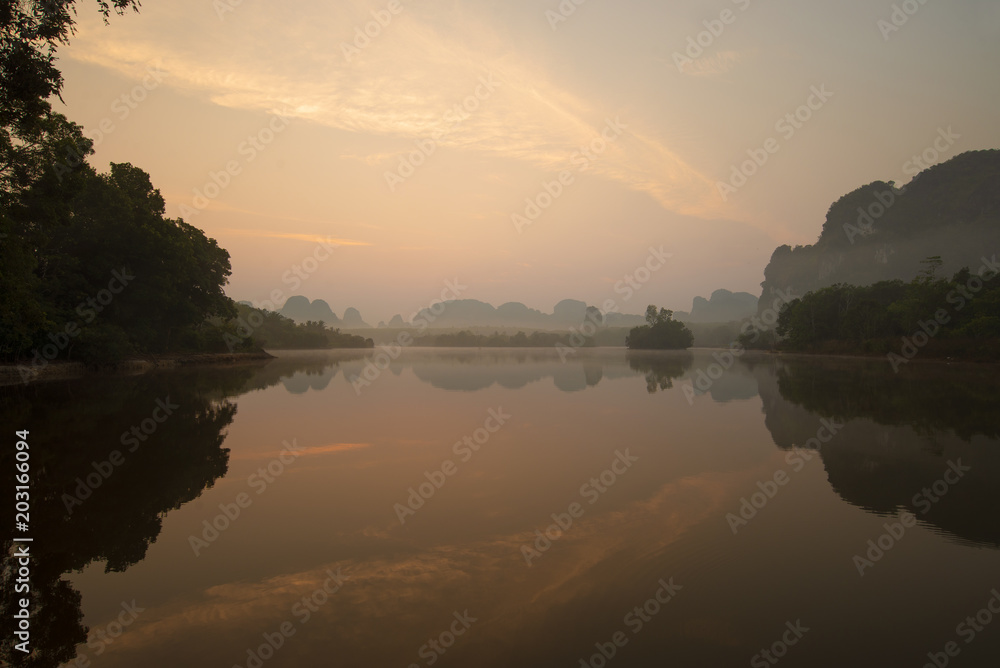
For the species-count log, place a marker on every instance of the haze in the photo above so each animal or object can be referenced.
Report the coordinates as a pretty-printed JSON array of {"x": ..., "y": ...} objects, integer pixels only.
[{"x": 199, "y": 79}]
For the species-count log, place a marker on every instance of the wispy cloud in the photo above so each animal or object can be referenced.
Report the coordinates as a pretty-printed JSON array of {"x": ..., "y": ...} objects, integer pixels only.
[
  {"x": 395, "y": 568},
  {"x": 315, "y": 238},
  {"x": 300, "y": 452},
  {"x": 333, "y": 447},
  {"x": 405, "y": 84}
]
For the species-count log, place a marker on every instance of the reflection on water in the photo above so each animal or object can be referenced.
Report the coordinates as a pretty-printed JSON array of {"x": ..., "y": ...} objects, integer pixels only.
[
  {"x": 91, "y": 505},
  {"x": 902, "y": 431},
  {"x": 660, "y": 369},
  {"x": 316, "y": 568}
]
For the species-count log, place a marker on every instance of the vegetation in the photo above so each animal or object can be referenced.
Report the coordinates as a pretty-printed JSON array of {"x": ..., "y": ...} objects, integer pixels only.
[
  {"x": 91, "y": 269},
  {"x": 274, "y": 331},
  {"x": 957, "y": 317},
  {"x": 880, "y": 232},
  {"x": 661, "y": 332}
]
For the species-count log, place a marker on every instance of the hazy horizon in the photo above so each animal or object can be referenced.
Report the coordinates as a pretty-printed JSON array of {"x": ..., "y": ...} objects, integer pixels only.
[
  {"x": 339, "y": 309},
  {"x": 535, "y": 89}
]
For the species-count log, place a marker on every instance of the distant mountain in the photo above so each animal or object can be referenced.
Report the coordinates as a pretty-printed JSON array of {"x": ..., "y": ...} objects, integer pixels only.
[
  {"x": 462, "y": 313},
  {"x": 300, "y": 309},
  {"x": 352, "y": 319},
  {"x": 878, "y": 232},
  {"x": 569, "y": 312},
  {"x": 516, "y": 312},
  {"x": 722, "y": 306},
  {"x": 474, "y": 313},
  {"x": 458, "y": 313},
  {"x": 623, "y": 320}
]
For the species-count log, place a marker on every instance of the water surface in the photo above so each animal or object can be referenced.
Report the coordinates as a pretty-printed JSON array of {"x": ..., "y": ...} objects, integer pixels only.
[{"x": 646, "y": 460}]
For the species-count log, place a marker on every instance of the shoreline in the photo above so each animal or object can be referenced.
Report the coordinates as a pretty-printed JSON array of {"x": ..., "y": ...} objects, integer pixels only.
[
  {"x": 918, "y": 359},
  {"x": 10, "y": 374}
]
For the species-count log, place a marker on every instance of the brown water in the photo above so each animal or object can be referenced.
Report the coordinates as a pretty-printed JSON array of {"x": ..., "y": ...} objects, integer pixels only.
[{"x": 327, "y": 565}]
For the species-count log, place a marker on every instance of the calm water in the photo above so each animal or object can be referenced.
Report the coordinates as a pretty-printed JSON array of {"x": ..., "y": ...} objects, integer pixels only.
[{"x": 335, "y": 558}]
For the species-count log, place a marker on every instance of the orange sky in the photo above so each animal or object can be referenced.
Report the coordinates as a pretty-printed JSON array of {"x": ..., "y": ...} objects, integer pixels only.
[{"x": 417, "y": 146}]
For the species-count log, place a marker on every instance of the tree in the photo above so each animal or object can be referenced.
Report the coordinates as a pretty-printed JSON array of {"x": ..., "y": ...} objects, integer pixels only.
[
  {"x": 95, "y": 252},
  {"x": 40, "y": 151},
  {"x": 27, "y": 217},
  {"x": 931, "y": 265},
  {"x": 873, "y": 318},
  {"x": 661, "y": 333},
  {"x": 654, "y": 318},
  {"x": 30, "y": 32},
  {"x": 166, "y": 275}
]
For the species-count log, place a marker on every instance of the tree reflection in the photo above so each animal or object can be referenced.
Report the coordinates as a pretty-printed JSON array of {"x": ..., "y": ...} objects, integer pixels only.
[
  {"x": 74, "y": 425},
  {"x": 901, "y": 433},
  {"x": 660, "y": 368},
  {"x": 934, "y": 397}
]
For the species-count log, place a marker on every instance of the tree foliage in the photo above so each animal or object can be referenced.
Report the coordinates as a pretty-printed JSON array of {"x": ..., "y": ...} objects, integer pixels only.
[
  {"x": 661, "y": 332},
  {"x": 873, "y": 318},
  {"x": 879, "y": 232},
  {"x": 98, "y": 270},
  {"x": 274, "y": 331},
  {"x": 90, "y": 267},
  {"x": 30, "y": 32}
]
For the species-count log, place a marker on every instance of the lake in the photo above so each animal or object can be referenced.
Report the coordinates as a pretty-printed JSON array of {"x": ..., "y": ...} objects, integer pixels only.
[{"x": 512, "y": 508}]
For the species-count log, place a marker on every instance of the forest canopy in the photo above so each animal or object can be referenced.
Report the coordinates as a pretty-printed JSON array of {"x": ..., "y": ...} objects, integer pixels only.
[
  {"x": 959, "y": 316},
  {"x": 91, "y": 269}
]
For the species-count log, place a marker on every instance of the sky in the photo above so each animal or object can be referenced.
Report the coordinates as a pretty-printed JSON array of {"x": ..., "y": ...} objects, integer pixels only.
[{"x": 374, "y": 153}]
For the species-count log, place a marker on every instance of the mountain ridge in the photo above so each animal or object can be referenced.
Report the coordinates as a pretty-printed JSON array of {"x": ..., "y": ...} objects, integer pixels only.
[
  {"x": 722, "y": 306},
  {"x": 879, "y": 232}
]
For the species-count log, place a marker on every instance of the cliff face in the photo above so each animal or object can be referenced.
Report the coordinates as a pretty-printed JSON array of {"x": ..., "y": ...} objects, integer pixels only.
[
  {"x": 722, "y": 306},
  {"x": 878, "y": 232}
]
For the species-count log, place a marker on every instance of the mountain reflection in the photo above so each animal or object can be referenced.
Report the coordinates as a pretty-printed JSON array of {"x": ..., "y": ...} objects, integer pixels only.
[
  {"x": 470, "y": 370},
  {"x": 901, "y": 434},
  {"x": 300, "y": 371}
]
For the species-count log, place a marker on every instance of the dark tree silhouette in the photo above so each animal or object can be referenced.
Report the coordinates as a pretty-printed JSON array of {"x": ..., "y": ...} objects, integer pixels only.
[{"x": 661, "y": 333}]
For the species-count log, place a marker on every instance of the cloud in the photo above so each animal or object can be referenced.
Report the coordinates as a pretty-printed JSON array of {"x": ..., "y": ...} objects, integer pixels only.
[
  {"x": 300, "y": 452},
  {"x": 315, "y": 238},
  {"x": 516, "y": 598},
  {"x": 332, "y": 447},
  {"x": 431, "y": 72}
]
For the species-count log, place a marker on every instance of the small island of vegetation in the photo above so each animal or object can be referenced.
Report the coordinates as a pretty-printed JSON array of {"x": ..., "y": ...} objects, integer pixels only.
[{"x": 661, "y": 332}]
